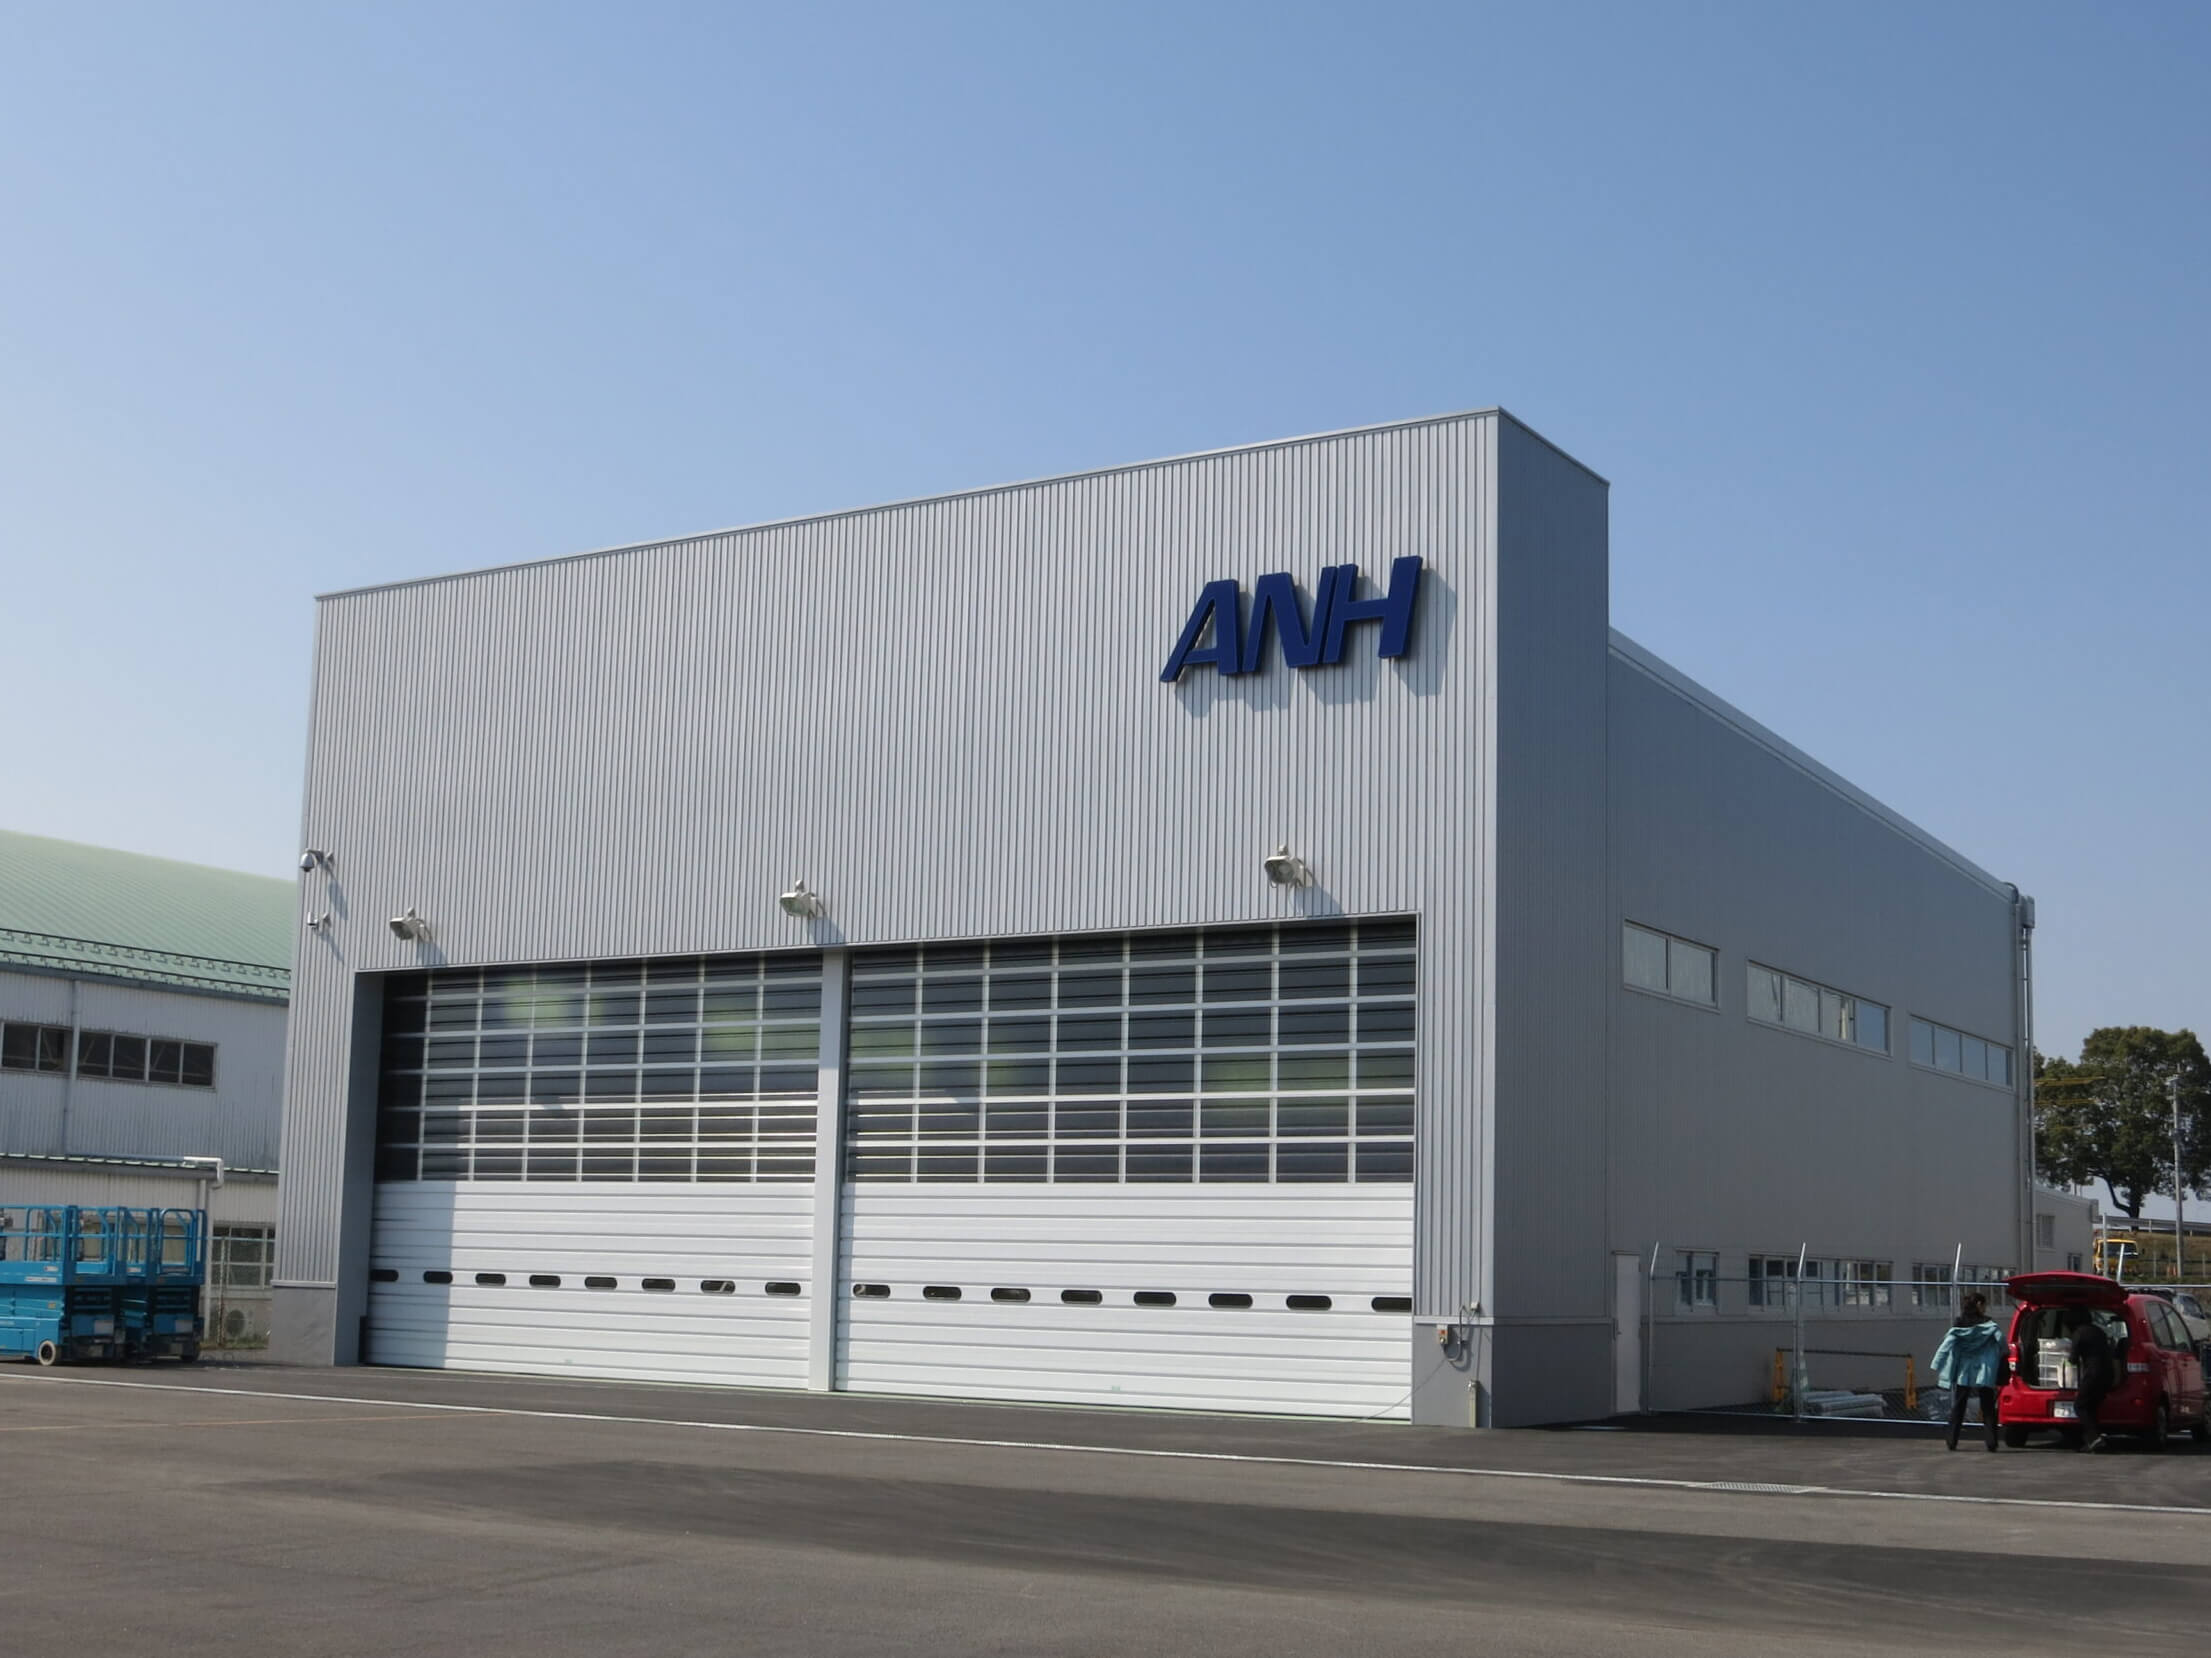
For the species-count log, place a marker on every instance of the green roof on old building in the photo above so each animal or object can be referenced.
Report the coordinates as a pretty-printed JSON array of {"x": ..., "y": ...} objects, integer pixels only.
[{"x": 66, "y": 908}]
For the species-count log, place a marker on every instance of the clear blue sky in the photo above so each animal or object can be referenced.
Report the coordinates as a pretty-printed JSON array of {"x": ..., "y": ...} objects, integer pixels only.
[{"x": 1888, "y": 323}]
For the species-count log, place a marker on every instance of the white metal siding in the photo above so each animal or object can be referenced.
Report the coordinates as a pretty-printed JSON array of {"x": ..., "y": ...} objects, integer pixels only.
[
  {"x": 1351, "y": 1244},
  {"x": 748, "y": 1235},
  {"x": 954, "y": 708},
  {"x": 241, "y": 1201}
]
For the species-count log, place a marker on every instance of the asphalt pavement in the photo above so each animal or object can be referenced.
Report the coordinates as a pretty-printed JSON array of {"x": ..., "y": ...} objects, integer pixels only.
[{"x": 256, "y": 1509}]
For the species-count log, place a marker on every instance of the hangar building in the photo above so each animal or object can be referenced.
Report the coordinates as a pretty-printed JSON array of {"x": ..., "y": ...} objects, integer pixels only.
[{"x": 1239, "y": 932}]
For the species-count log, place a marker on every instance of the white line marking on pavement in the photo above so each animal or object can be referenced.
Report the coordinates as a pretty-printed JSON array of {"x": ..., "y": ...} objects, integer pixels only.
[{"x": 1638, "y": 1481}]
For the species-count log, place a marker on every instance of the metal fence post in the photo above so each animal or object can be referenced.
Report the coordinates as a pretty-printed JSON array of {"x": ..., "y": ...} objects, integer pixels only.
[
  {"x": 1650, "y": 1330},
  {"x": 1797, "y": 1379}
]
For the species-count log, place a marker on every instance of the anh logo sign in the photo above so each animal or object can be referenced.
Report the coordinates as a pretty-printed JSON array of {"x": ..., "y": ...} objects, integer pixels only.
[{"x": 1240, "y": 647}]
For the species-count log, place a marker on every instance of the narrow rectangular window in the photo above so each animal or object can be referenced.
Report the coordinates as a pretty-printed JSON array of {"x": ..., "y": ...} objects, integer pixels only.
[
  {"x": 1668, "y": 966},
  {"x": 1949, "y": 1050},
  {"x": 19, "y": 1047},
  {"x": 1643, "y": 957},
  {"x": 1800, "y": 1005},
  {"x": 1964, "y": 1055},
  {"x": 198, "y": 1065},
  {"x": 1696, "y": 1278},
  {"x": 94, "y": 1049},
  {"x": 1873, "y": 1026},
  {"x": 1689, "y": 973},
  {"x": 1763, "y": 994},
  {"x": 127, "y": 1059}
]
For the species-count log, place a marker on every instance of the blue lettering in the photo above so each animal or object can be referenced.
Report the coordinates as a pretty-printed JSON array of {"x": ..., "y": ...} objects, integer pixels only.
[
  {"x": 1274, "y": 598},
  {"x": 1394, "y": 610},
  {"x": 1221, "y": 604},
  {"x": 1236, "y": 648}
]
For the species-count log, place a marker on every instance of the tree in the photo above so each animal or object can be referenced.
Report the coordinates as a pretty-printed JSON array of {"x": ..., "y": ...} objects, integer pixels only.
[{"x": 2108, "y": 1116}]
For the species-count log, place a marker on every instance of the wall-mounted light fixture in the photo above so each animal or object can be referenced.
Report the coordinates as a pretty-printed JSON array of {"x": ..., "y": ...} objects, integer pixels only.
[
  {"x": 410, "y": 926},
  {"x": 318, "y": 923},
  {"x": 315, "y": 858},
  {"x": 801, "y": 901},
  {"x": 1286, "y": 870}
]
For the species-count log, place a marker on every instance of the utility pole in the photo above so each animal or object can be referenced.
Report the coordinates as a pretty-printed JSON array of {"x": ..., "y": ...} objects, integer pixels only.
[{"x": 2172, "y": 1084}]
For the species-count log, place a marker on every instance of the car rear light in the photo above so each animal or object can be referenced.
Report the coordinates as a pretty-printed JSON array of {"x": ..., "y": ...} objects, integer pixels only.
[{"x": 2138, "y": 1369}]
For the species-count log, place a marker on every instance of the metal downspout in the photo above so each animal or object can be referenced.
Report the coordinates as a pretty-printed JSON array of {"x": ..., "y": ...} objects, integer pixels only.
[{"x": 2023, "y": 932}]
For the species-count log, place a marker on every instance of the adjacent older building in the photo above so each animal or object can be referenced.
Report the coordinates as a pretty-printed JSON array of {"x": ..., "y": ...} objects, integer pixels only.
[
  {"x": 142, "y": 1019},
  {"x": 1239, "y": 932}
]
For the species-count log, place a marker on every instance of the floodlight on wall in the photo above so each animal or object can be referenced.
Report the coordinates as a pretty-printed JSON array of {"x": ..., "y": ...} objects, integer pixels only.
[
  {"x": 1286, "y": 870},
  {"x": 801, "y": 901},
  {"x": 315, "y": 858},
  {"x": 318, "y": 923},
  {"x": 410, "y": 926}
]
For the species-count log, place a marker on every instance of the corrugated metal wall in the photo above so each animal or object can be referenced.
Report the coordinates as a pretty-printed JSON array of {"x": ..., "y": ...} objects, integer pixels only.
[
  {"x": 237, "y": 1120},
  {"x": 946, "y": 716},
  {"x": 1734, "y": 1136},
  {"x": 1548, "y": 1164},
  {"x": 236, "y": 1201}
]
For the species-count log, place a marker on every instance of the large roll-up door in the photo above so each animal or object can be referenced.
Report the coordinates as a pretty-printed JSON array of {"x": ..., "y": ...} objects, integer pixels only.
[
  {"x": 1198, "y": 1297},
  {"x": 600, "y": 1170},
  {"x": 1161, "y": 1169}
]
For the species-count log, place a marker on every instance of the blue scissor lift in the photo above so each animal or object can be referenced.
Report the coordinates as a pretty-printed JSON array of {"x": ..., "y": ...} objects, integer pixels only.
[
  {"x": 160, "y": 1305},
  {"x": 100, "y": 1283}
]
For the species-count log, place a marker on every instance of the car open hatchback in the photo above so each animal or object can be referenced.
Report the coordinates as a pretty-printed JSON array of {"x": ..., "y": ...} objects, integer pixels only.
[{"x": 2158, "y": 1381}]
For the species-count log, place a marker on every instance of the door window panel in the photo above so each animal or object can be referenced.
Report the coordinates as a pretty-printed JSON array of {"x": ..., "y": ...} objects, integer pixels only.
[{"x": 1246, "y": 1054}]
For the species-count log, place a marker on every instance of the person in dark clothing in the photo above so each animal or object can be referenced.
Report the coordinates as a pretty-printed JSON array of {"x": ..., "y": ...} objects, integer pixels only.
[
  {"x": 1971, "y": 1361},
  {"x": 2092, "y": 1378}
]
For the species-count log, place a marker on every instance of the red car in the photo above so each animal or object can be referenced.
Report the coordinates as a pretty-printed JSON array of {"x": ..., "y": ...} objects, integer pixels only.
[{"x": 2160, "y": 1380}]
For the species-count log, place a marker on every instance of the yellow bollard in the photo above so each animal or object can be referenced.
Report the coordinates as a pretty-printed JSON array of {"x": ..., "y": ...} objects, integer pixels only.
[
  {"x": 1911, "y": 1383},
  {"x": 1780, "y": 1376}
]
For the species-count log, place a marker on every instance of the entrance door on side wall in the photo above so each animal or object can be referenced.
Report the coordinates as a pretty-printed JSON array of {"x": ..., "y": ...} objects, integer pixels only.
[{"x": 1627, "y": 1334}]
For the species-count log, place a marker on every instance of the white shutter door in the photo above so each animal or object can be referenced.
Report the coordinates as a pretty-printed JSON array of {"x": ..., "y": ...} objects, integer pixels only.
[
  {"x": 1284, "y": 1299},
  {"x": 629, "y": 1277}
]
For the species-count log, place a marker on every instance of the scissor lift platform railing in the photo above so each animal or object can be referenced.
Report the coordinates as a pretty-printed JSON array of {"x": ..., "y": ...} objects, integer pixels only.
[{"x": 100, "y": 1283}]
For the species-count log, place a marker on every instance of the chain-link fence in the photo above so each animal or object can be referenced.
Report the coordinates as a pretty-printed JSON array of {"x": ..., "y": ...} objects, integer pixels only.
[{"x": 1805, "y": 1337}]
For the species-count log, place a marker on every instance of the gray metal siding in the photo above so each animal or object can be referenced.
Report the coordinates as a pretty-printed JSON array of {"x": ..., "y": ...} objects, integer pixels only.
[
  {"x": 1736, "y": 1136},
  {"x": 237, "y": 1120},
  {"x": 1551, "y": 990},
  {"x": 946, "y": 716}
]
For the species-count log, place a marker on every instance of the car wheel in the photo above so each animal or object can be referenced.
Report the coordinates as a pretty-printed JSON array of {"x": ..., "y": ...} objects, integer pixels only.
[{"x": 2015, "y": 1436}]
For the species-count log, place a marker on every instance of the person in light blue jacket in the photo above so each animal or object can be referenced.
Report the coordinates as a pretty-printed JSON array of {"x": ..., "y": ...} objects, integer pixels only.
[{"x": 1971, "y": 1360}]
